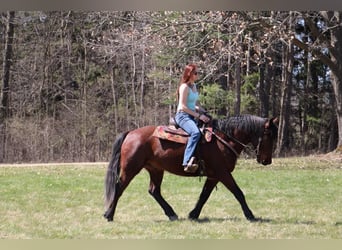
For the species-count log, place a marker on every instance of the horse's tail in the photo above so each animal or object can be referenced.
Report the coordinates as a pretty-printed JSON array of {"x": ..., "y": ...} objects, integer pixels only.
[{"x": 113, "y": 170}]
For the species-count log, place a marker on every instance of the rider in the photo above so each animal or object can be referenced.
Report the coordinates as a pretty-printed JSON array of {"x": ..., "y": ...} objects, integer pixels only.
[{"x": 187, "y": 111}]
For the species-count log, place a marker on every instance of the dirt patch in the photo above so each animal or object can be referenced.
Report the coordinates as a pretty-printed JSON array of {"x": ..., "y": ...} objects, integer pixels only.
[
  {"x": 54, "y": 164},
  {"x": 335, "y": 157}
]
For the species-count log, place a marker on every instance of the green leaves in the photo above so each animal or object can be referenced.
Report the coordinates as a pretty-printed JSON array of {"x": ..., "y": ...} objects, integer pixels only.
[{"x": 215, "y": 100}]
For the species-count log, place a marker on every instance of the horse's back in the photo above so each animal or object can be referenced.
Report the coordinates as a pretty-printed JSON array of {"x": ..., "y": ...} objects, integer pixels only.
[
  {"x": 142, "y": 147},
  {"x": 139, "y": 137}
]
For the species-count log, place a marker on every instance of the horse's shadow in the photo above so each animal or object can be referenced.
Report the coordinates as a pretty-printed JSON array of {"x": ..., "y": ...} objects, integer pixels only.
[
  {"x": 216, "y": 219},
  {"x": 257, "y": 220},
  {"x": 261, "y": 220},
  {"x": 232, "y": 219}
]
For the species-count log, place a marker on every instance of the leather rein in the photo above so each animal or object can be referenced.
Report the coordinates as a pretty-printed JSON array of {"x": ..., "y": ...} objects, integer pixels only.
[
  {"x": 226, "y": 143},
  {"x": 235, "y": 140}
]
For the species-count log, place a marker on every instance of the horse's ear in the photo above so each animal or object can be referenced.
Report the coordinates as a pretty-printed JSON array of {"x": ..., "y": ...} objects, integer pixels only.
[{"x": 275, "y": 121}]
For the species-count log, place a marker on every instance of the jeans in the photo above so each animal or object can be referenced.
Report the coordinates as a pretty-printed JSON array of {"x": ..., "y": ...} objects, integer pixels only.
[{"x": 187, "y": 122}]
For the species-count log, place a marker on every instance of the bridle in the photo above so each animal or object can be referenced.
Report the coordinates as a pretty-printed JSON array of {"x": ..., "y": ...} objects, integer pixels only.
[{"x": 266, "y": 131}]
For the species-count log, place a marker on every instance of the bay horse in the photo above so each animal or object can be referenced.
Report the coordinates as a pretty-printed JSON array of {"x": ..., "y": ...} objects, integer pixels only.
[{"x": 137, "y": 149}]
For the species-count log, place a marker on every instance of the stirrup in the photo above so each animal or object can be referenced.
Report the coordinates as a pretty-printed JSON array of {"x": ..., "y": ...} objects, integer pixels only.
[{"x": 191, "y": 167}]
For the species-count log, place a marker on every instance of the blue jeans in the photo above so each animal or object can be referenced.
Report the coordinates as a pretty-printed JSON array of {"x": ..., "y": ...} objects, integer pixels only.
[{"x": 187, "y": 122}]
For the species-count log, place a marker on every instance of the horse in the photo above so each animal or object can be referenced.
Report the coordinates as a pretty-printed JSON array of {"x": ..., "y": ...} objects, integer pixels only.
[{"x": 138, "y": 148}]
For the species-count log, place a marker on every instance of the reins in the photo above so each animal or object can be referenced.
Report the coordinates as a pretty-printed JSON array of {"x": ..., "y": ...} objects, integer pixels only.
[
  {"x": 226, "y": 143},
  {"x": 236, "y": 141}
]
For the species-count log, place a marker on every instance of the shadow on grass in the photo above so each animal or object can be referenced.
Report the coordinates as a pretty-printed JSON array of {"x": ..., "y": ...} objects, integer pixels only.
[
  {"x": 257, "y": 220},
  {"x": 232, "y": 219},
  {"x": 278, "y": 221}
]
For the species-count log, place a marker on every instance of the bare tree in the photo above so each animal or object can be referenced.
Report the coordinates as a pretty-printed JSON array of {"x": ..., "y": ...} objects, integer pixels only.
[
  {"x": 333, "y": 42},
  {"x": 4, "y": 108},
  {"x": 285, "y": 100}
]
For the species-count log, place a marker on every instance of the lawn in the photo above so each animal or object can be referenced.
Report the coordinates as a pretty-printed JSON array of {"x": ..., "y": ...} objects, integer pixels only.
[{"x": 296, "y": 198}]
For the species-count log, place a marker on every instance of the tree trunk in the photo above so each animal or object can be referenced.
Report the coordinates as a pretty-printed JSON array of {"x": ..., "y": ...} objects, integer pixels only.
[
  {"x": 263, "y": 91},
  {"x": 285, "y": 102},
  {"x": 155, "y": 106},
  {"x": 115, "y": 106},
  {"x": 336, "y": 73},
  {"x": 7, "y": 66},
  {"x": 4, "y": 108},
  {"x": 332, "y": 19},
  {"x": 171, "y": 112},
  {"x": 237, "y": 104},
  {"x": 337, "y": 85},
  {"x": 133, "y": 78},
  {"x": 304, "y": 124},
  {"x": 142, "y": 116},
  {"x": 84, "y": 116}
]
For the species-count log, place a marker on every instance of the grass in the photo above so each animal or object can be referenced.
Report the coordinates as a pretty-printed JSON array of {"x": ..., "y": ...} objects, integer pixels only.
[{"x": 296, "y": 198}]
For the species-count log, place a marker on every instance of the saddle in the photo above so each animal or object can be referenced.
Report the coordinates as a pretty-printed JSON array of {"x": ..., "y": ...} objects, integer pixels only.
[
  {"x": 174, "y": 133},
  {"x": 171, "y": 133}
]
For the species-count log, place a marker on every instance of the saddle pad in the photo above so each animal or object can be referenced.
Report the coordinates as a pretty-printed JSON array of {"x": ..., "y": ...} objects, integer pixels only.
[{"x": 170, "y": 133}]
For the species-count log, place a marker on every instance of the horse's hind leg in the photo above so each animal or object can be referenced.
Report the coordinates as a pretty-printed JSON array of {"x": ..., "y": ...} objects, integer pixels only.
[
  {"x": 125, "y": 179},
  {"x": 206, "y": 191},
  {"x": 109, "y": 214},
  {"x": 156, "y": 178}
]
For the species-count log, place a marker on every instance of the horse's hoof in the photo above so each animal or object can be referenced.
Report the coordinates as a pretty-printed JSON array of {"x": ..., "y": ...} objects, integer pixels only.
[
  {"x": 108, "y": 217},
  {"x": 173, "y": 217},
  {"x": 193, "y": 216},
  {"x": 252, "y": 219}
]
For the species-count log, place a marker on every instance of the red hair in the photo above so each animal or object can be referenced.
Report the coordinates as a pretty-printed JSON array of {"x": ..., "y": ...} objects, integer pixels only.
[{"x": 189, "y": 70}]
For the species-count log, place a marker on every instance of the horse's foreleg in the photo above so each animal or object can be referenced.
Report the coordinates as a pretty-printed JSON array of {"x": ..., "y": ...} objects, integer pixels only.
[
  {"x": 206, "y": 191},
  {"x": 230, "y": 183},
  {"x": 156, "y": 178}
]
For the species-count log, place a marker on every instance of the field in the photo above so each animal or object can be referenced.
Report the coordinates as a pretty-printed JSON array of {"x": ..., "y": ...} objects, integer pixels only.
[{"x": 296, "y": 198}]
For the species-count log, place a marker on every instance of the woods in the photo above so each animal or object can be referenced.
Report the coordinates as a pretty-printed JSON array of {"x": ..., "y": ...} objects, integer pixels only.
[{"x": 72, "y": 80}]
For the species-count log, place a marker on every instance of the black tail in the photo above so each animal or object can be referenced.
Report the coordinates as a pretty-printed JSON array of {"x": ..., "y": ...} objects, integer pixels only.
[{"x": 113, "y": 170}]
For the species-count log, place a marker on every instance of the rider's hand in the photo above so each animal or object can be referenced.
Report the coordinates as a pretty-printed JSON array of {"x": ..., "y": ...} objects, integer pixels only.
[{"x": 204, "y": 118}]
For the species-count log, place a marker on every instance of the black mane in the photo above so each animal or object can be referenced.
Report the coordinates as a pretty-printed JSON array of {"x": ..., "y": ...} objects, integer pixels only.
[{"x": 251, "y": 124}]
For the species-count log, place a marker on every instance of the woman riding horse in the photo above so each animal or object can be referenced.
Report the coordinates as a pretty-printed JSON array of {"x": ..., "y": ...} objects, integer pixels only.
[{"x": 139, "y": 148}]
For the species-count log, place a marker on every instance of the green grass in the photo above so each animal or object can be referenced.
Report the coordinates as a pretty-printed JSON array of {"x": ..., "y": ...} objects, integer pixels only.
[{"x": 294, "y": 197}]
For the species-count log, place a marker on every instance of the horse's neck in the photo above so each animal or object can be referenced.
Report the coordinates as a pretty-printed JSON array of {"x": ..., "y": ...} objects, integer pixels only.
[{"x": 241, "y": 139}]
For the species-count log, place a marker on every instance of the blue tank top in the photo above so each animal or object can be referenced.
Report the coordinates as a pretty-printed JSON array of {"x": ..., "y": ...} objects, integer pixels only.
[{"x": 192, "y": 98}]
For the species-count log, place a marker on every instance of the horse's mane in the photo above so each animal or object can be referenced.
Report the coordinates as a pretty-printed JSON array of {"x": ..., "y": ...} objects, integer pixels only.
[{"x": 251, "y": 124}]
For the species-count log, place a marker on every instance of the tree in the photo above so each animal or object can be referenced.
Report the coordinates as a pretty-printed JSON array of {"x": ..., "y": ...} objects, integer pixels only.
[
  {"x": 285, "y": 100},
  {"x": 4, "y": 108},
  {"x": 326, "y": 32},
  {"x": 80, "y": 77}
]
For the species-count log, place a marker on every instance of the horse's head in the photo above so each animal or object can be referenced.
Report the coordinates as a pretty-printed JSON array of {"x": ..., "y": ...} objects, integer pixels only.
[
  {"x": 266, "y": 141},
  {"x": 244, "y": 129}
]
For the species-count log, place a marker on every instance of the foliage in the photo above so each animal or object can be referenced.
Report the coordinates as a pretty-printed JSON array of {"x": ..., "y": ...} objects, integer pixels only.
[
  {"x": 249, "y": 103},
  {"x": 80, "y": 77},
  {"x": 216, "y": 100}
]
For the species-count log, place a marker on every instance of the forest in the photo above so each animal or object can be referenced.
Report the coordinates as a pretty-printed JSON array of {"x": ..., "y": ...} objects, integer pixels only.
[{"x": 73, "y": 80}]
